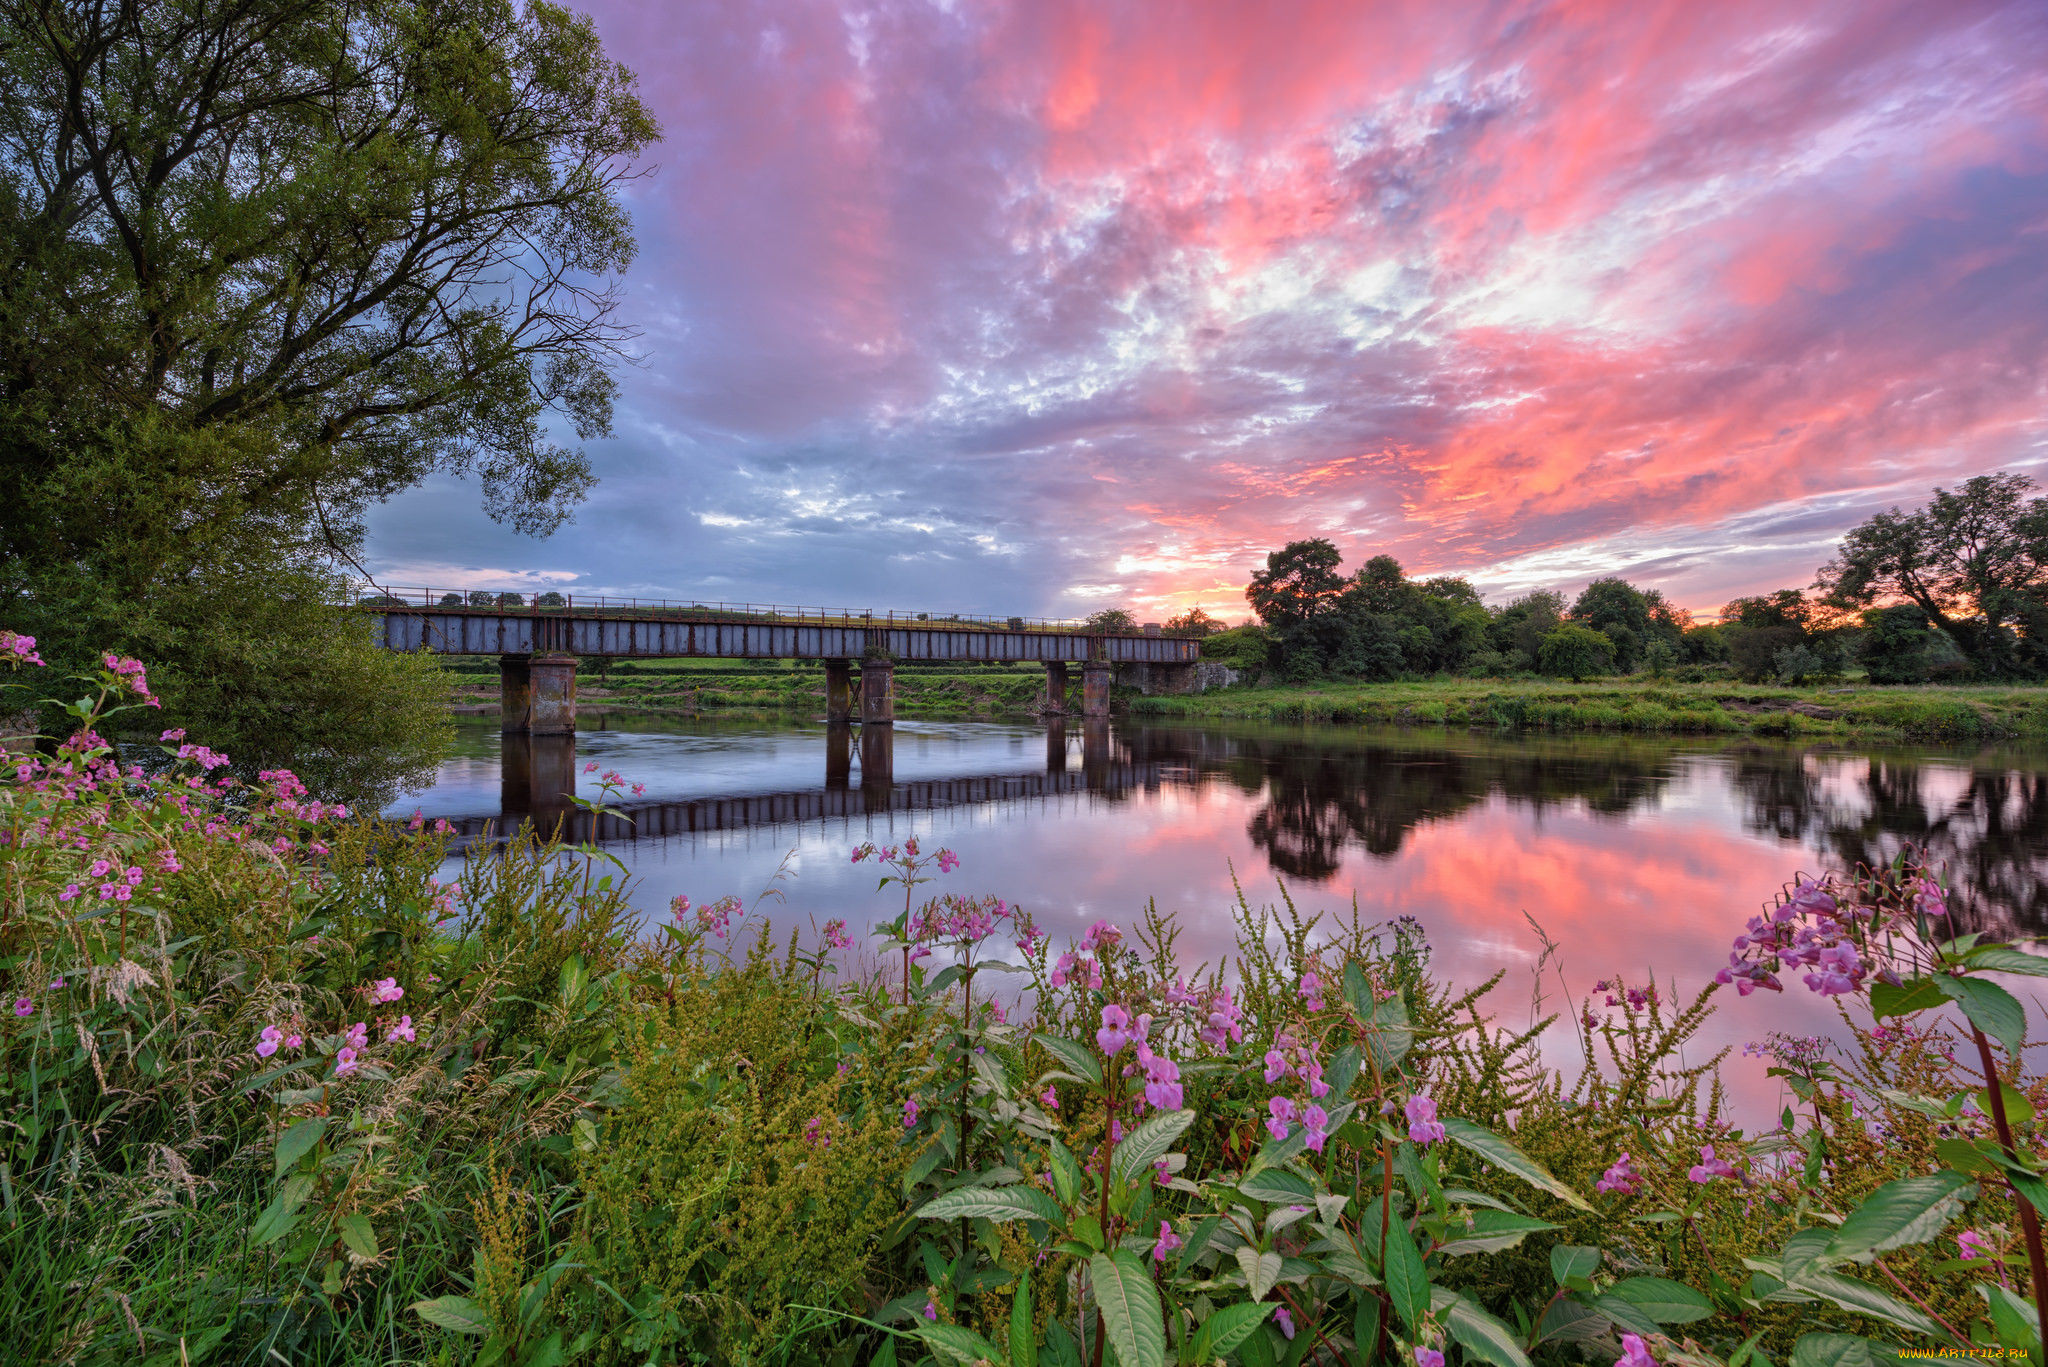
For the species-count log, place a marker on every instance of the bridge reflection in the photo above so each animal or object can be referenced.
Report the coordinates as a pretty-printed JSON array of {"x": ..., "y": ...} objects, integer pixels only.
[{"x": 539, "y": 773}]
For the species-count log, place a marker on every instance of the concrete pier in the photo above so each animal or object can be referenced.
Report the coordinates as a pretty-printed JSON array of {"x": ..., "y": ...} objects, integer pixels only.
[
  {"x": 537, "y": 776},
  {"x": 838, "y": 690},
  {"x": 1055, "y": 703},
  {"x": 877, "y": 693},
  {"x": 1095, "y": 677},
  {"x": 537, "y": 695}
]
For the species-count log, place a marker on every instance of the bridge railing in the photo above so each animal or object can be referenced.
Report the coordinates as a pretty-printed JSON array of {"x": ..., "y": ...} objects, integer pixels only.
[{"x": 526, "y": 604}]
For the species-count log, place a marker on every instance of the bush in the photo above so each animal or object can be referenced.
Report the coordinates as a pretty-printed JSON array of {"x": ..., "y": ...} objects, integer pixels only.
[
  {"x": 1247, "y": 648},
  {"x": 1576, "y": 652}
]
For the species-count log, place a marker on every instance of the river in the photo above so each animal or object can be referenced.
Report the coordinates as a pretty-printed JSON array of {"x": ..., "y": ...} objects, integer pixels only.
[{"x": 1636, "y": 856}]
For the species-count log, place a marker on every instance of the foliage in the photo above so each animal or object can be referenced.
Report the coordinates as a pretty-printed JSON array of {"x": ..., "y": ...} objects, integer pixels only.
[
  {"x": 1974, "y": 561},
  {"x": 1111, "y": 620},
  {"x": 1575, "y": 652},
  {"x": 1248, "y": 648},
  {"x": 1300, "y": 583},
  {"x": 1194, "y": 622},
  {"x": 1629, "y": 617}
]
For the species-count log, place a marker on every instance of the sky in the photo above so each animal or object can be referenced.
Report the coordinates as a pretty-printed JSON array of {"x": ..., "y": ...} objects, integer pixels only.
[{"x": 1047, "y": 306}]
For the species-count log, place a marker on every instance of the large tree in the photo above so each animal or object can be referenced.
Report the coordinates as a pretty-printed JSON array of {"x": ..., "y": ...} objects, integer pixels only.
[
  {"x": 1974, "y": 560},
  {"x": 1300, "y": 583},
  {"x": 266, "y": 262}
]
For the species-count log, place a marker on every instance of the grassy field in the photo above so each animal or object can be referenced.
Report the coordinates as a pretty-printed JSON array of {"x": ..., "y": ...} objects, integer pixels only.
[
  {"x": 1644, "y": 705},
  {"x": 755, "y": 685}
]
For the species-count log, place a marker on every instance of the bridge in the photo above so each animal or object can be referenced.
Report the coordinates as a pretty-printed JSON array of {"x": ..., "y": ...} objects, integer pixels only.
[
  {"x": 539, "y": 773},
  {"x": 537, "y": 643}
]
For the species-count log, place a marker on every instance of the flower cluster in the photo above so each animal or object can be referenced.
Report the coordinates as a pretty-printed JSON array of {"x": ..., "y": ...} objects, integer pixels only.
[
  {"x": 836, "y": 936},
  {"x": 1810, "y": 929},
  {"x": 1423, "y": 1126},
  {"x": 1710, "y": 1167},
  {"x": 1312, "y": 991},
  {"x": 348, "y": 1057},
  {"x": 1288, "y": 1059},
  {"x": 131, "y": 676},
  {"x": 1083, "y": 963},
  {"x": 1620, "y": 1178},
  {"x": 18, "y": 650}
]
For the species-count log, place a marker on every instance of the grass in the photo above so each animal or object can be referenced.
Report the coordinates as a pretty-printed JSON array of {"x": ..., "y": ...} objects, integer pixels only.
[
  {"x": 693, "y": 686},
  {"x": 1636, "y": 705}
]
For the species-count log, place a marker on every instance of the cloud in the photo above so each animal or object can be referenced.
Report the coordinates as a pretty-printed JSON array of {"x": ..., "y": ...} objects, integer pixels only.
[{"x": 998, "y": 306}]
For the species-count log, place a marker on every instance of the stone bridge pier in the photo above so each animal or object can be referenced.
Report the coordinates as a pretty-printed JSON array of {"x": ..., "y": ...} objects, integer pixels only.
[{"x": 537, "y": 694}]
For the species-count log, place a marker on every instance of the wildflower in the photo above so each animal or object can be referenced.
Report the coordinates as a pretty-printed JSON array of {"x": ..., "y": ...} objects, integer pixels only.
[
  {"x": 358, "y": 1037},
  {"x": 403, "y": 1030},
  {"x": 1620, "y": 1177},
  {"x": 344, "y": 1062},
  {"x": 1101, "y": 938},
  {"x": 1168, "y": 1241},
  {"x": 1971, "y": 1246},
  {"x": 1286, "y": 1323},
  {"x": 70, "y": 891},
  {"x": 1028, "y": 937},
  {"x": 294, "y": 1041},
  {"x": 24, "y": 1006},
  {"x": 1280, "y": 1111},
  {"x": 1709, "y": 1167},
  {"x": 814, "y": 1134},
  {"x": 1317, "y": 1122},
  {"x": 1423, "y": 1126},
  {"x": 1928, "y": 898},
  {"x": 1115, "y": 1033},
  {"x": 267, "y": 1042},
  {"x": 386, "y": 990},
  {"x": 639, "y": 790},
  {"x": 910, "y": 1114},
  {"x": 931, "y": 1310},
  {"x": 1312, "y": 991},
  {"x": 133, "y": 877},
  {"x": 1633, "y": 1353},
  {"x": 1428, "y": 1357},
  {"x": 1224, "y": 1020},
  {"x": 100, "y": 869},
  {"x": 836, "y": 936},
  {"x": 167, "y": 862},
  {"x": 948, "y": 861},
  {"x": 57, "y": 983},
  {"x": 23, "y": 648},
  {"x": 590, "y": 768},
  {"x": 1276, "y": 1066},
  {"x": 1050, "y": 1097}
]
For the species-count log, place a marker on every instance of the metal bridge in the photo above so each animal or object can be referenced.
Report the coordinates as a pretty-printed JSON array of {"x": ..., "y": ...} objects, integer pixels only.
[{"x": 537, "y": 644}]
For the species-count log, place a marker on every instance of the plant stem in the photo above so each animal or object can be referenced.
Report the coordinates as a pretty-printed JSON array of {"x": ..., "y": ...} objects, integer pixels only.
[
  {"x": 1890, "y": 1276},
  {"x": 1108, "y": 1158},
  {"x": 2030, "y": 1222}
]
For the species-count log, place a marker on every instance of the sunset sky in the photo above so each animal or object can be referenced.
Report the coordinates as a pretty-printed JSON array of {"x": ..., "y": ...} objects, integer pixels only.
[{"x": 1044, "y": 306}]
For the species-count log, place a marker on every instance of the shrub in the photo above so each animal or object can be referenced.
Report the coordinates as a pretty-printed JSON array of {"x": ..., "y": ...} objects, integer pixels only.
[{"x": 1575, "y": 652}]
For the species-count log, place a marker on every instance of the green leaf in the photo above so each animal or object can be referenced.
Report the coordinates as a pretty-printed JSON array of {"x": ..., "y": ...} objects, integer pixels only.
[
  {"x": 1628, "y": 1316},
  {"x": 298, "y": 1141},
  {"x": 1569, "y": 1321},
  {"x": 1343, "y": 1070},
  {"x": 1663, "y": 1300},
  {"x": 356, "y": 1233},
  {"x": 958, "y": 1345},
  {"x": 1915, "y": 994},
  {"x": 1484, "y": 1338},
  {"x": 2018, "y": 1110},
  {"x": 1023, "y": 1337},
  {"x": 1279, "y": 1187},
  {"x": 1147, "y": 1144},
  {"x": 459, "y": 1313},
  {"x": 1407, "y": 1283},
  {"x": 1129, "y": 1303},
  {"x": 1224, "y": 1330},
  {"x": 2007, "y": 959},
  {"x": 1388, "y": 1032},
  {"x": 1842, "y": 1350},
  {"x": 1261, "y": 1270},
  {"x": 1911, "y": 1210},
  {"x": 1490, "y": 1232},
  {"x": 573, "y": 979},
  {"x": 1502, "y": 1154},
  {"x": 283, "y": 1211},
  {"x": 1990, "y": 1008},
  {"x": 2016, "y": 1321},
  {"x": 1806, "y": 1251},
  {"x": 1465, "y": 1196},
  {"x": 1573, "y": 1260},
  {"x": 1075, "y": 1057},
  {"x": 999, "y": 1204},
  {"x": 1865, "y": 1299},
  {"x": 1066, "y": 1171}
]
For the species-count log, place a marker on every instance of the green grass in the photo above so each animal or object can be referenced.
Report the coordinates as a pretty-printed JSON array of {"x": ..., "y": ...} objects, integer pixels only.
[
  {"x": 769, "y": 685},
  {"x": 1643, "y": 705}
]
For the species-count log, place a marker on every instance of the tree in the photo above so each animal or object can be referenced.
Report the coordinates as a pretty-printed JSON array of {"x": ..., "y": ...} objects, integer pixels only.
[
  {"x": 1194, "y": 622},
  {"x": 1111, "y": 622},
  {"x": 1898, "y": 645},
  {"x": 1300, "y": 583},
  {"x": 1618, "y": 610},
  {"x": 265, "y": 263},
  {"x": 1575, "y": 651},
  {"x": 1974, "y": 561},
  {"x": 1784, "y": 608},
  {"x": 1517, "y": 630}
]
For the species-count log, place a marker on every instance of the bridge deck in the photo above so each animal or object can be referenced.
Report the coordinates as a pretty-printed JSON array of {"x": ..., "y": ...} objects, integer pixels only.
[{"x": 535, "y": 631}]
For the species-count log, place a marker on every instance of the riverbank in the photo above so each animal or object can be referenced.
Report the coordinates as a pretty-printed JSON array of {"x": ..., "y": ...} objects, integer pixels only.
[{"x": 1882, "y": 713}]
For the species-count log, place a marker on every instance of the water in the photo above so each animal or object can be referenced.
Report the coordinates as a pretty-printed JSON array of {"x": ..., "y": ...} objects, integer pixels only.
[{"x": 1635, "y": 856}]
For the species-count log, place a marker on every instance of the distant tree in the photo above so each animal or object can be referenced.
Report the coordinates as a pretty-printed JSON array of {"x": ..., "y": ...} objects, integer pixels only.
[
  {"x": 1899, "y": 645},
  {"x": 1576, "y": 651},
  {"x": 451, "y": 600},
  {"x": 1517, "y": 630},
  {"x": 1194, "y": 622},
  {"x": 1300, "y": 583},
  {"x": 1754, "y": 651},
  {"x": 1621, "y": 612},
  {"x": 1111, "y": 622},
  {"x": 1973, "y": 561},
  {"x": 1658, "y": 657},
  {"x": 550, "y": 599},
  {"x": 1249, "y": 648},
  {"x": 1380, "y": 586},
  {"x": 1784, "y": 608}
]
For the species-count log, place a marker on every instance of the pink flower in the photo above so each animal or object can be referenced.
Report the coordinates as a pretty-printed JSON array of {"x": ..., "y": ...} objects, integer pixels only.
[
  {"x": 294, "y": 1041},
  {"x": 639, "y": 790},
  {"x": 24, "y": 1006},
  {"x": 267, "y": 1042},
  {"x": 1168, "y": 1241},
  {"x": 1276, "y": 1066},
  {"x": 167, "y": 862},
  {"x": 1428, "y": 1357},
  {"x": 1709, "y": 1167},
  {"x": 1634, "y": 1353},
  {"x": 100, "y": 869},
  {"x": 57, "y": 983},
  {"x": 1114, "y": 1034},
  {"x": 403, "y": 1030},
  {"x": 133, "y": 877},
  {"x": 70, "y": 891},
  {"x": 948, "y": 861},
  {"x": 1621, "y": 1178},
  {"x": 344, "y": 1062},
  {"x": 931, "y": 1310},
  {"x": 1102, "y": 937},
  {"x": 814, "y": 1134},
  {"x": 1050, "y": 1098},
  {"x": 910, "y": 1114},
  {"x": 1312, "y": 991},
  {"x": 1971, "y": 1246},
  {"x": 1423, "y": 1126},
  {"x": 836, "y": 936},
  {"x": 1286, "y": 1323},
  {"x": 386, "y": 990},
  {"x": 590, "y": 768},
  {"x": 1280, "y": 1112},
  {"x": 1317, "y": 1122}
]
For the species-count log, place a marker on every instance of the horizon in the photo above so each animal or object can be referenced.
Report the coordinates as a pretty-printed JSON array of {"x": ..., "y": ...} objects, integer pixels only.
[{"x": 1044, "y": 309}]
